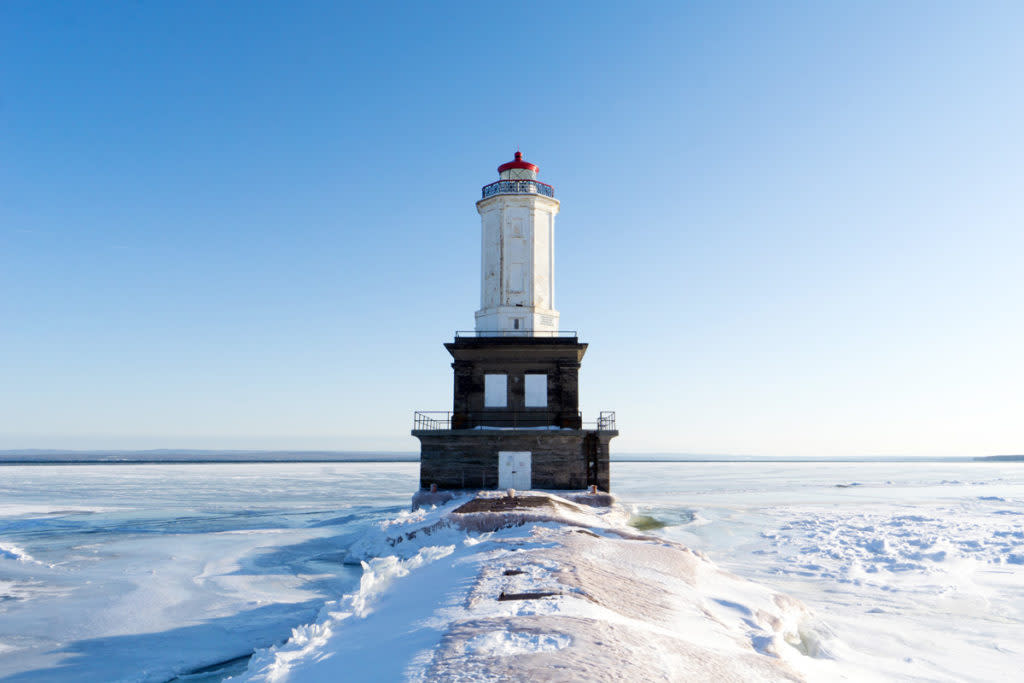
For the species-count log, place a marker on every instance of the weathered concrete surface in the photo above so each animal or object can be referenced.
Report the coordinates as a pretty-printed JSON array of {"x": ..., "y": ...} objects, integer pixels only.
[
  {"x": 602, "y": 606},
  {"x": 551, "y": 589}
]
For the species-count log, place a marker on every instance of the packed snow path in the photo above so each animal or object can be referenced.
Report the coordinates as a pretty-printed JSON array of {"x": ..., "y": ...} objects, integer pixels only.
[{"x": 540, "y": 587}]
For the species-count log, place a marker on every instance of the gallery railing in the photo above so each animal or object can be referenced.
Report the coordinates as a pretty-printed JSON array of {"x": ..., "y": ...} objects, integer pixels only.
[
  {"x": 431, "y": 420},
  {"x": 517, "y": 187},
  {"x": 568, "y": 334},
  {"x": 605, "y": 422}
]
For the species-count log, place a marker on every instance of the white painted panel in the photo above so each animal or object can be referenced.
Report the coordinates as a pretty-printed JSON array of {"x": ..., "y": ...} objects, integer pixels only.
[
  {"x": 551, "y": 261},
  {"x": 541, "y": 269},
  {"x": 519, "y": 269},
  {"x": 495, "y": 391},
  {"x": 536, "y": 391},
  {"x": 514, "y": 470},
  {"x": 517, "y": 250},
  {"x": 515, "y": 278},
  {"x": 490, "y": 260},
  {"x": 523, "y": 473},
  {"x": 506, "y": 469}
]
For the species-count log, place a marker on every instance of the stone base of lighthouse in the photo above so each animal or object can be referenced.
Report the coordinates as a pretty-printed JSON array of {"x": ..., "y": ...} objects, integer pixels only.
[{"x": 558, "y": 459}]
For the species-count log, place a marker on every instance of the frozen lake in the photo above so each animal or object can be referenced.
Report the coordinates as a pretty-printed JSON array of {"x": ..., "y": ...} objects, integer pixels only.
[
  {"x": 140, "y": 572},
  {"x": 919, "y": 567},
  {"x": 145, "y": 572}
]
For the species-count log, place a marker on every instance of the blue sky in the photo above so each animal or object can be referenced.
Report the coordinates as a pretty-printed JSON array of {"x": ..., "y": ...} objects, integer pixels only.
[{"x": 786, "y": 228}]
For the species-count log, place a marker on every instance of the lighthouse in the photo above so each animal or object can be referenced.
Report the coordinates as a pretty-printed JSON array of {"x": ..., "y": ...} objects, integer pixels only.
[
  {"x": 515, "y": 420},
  {"x": 517, "y": 257}
]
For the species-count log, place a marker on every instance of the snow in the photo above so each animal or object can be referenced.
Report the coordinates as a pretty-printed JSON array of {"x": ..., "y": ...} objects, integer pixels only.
[
  {"x": 13, "y": 552},
  {"x": 823, "y": 571},
  {"x": 505, "y": 643},
  {"x": 558, "y": 587},
  {"x": 139, "y": 573},
  {"x": 914, "y": 566}
]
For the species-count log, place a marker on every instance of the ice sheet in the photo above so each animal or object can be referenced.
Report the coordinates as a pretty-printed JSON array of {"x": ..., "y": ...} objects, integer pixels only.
[
  {"x": 912, "y": 563},
  {"x": 140, "y": 572}
]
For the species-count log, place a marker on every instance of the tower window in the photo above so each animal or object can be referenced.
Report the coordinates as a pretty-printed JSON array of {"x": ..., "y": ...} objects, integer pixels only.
[
  {"x": 536, "y": 391},
  {"x": 515, "y": 323},
  {"x": 495, "y": 391}
]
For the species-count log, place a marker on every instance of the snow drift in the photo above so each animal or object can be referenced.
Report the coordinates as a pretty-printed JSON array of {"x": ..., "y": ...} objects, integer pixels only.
[{"x": 544, "y": 587}]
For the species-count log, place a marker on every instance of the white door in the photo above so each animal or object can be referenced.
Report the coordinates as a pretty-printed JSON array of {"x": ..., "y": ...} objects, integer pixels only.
[{"x": 514, "y": 470}]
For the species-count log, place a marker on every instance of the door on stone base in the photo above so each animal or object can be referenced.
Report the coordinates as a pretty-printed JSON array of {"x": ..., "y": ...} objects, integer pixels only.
[{"x": 514, "y": 470}]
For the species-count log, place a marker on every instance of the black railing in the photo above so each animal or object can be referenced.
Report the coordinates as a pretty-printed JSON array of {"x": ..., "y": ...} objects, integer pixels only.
[
  {"x": 517, "y": 187},
  {"x": 431, "y": 420},
  {"x": 438, "y": 420},
  {"x": 515, "y": 333}
]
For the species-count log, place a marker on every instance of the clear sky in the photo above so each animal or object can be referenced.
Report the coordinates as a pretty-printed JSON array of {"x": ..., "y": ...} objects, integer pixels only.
[{"x": 787, "y": 228}]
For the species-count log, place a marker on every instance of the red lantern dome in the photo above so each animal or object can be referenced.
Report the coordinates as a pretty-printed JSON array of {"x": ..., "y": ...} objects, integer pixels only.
[{"x": 518, "y": 163}]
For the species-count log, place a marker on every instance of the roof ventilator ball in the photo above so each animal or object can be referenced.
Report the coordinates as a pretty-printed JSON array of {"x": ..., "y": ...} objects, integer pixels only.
[{"x": 511, "y": 493}]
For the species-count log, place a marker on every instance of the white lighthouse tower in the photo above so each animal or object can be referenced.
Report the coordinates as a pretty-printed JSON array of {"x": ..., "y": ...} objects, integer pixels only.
[{"x": 517, "y": 261}]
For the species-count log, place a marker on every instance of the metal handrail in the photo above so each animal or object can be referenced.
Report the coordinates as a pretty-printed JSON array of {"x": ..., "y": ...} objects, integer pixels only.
[
  {"x": 425, "y": 420},
  {"x": 517, "y": 187},
  {"x": 605, "y": 422},
  {"x": 515, "y": 333}
]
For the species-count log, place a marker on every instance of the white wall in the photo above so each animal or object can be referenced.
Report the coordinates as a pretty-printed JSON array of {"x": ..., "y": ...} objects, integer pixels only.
[{"x": 517, "y": 263}]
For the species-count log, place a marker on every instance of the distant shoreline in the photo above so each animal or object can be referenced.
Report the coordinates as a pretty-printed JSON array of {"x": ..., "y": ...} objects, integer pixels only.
[
  {"x": 164, "y": 457},
  {"x": 197, "y": 461}
]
